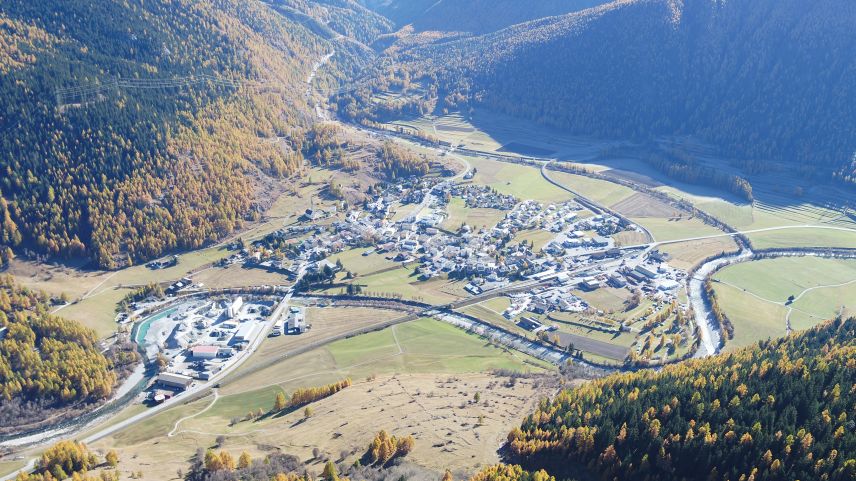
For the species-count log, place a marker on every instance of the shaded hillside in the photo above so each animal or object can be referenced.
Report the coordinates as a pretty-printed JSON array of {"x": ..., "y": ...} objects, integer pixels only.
[
  {"x": 131, "y": 128},
  {"x": 762, "y": 79},
  {"x": 475, "y": 16},
  {"x": 779, "y": 410},
  {"x": 332, "y": 18}
]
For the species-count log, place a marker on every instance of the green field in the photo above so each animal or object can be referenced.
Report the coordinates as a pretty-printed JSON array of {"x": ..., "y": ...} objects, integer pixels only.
[
  {"x": 803, "y": 237},
  {"x": 674, "y": 229},
  {"x": 521, "y": 181},
  {"x": 754, "y": 294},
  {"x": 763, "y": 215},
  {"x": 402, "y": 281},
  {"x": 539, "y": 238},
  {"x": 353, "y": 260},
  {"x": 422, "y": 346},
  {"x": 600, "y": 191}
]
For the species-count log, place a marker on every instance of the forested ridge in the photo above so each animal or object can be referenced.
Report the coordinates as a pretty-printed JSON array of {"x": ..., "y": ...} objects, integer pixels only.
[
  {"x": 45, "y": 360},
  {"x": 473, "y": 16},
  {"x": 766, "y": 81},
  {"x": 780, "y": 410},
  {"x": 96, "y": 163}
]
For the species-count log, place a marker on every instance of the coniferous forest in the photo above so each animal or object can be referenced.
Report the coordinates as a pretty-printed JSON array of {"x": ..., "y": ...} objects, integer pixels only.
[
  {"x": 743, "y": 75},
  {"x": 46, "y": 361},
  {"x": 125, "y": 139},
  {"x": 781, "y": 410}
]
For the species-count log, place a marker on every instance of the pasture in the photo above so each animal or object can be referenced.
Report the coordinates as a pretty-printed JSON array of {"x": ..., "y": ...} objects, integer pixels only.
[
  {"x": 418, "y": 378},
  {"x": 755, "y": 294}
]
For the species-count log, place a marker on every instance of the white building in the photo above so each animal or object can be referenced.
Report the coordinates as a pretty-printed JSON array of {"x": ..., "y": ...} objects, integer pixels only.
[
  {"x": 235, "y": 306},
  {"x": 246, "y": 332}
]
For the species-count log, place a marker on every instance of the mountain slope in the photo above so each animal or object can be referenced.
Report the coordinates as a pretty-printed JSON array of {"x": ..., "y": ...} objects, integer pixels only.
[
  {"x": 763, "y": 79},
  {"x": 475, "y": 16},
  {"x": 131, "y": 128},
  {"x": 781, "y": 410},
  {"x": 46, "y": 362}
]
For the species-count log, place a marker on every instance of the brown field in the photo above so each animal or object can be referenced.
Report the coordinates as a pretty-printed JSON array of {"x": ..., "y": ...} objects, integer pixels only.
[
  {"x": 686, "y": 255},
  {"x": 629, "y": 238},
  {"x": 238, "y": 276},
  {"x": 437, "y": 410},
  {"x": 643, "y": 205}
]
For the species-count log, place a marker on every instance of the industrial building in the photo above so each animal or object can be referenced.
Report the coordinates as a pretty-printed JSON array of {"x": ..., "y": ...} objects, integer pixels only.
[
  {"x": 204, "y": 352},
  {"x": 235, "y": 307},
  {"x": 173, "y": 380},
  {"x": 245, "y": 333}
]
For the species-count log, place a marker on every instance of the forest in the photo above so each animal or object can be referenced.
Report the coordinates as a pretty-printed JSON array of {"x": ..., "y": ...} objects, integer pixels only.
[
  {"x": 742, "y": 75},
  {"x": 781, "y": 409},
  {"x": 126, "y": 139},
  {"x": 46, "y": 361},
  {"x": 472, "y": 16}
]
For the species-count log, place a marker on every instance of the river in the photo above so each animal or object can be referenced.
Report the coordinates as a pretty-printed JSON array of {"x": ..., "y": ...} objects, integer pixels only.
[{"x": 708, "y": 326}]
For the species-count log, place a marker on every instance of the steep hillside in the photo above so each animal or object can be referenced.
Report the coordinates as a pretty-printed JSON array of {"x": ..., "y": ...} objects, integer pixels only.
[
  {"x": 762, "y": 79},
  {"x": 474, "y": 16},
  {"x": 333, "y": 18},
  {"x": 47, "y": 362},
  {"x": 780, "y": 410},
  {"x": 130, "y": 128}
]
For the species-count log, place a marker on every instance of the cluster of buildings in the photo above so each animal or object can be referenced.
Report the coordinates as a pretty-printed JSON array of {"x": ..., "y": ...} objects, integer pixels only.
[
  {"x": 199, "y": 338},
  {"x": 479, "y": 196}
]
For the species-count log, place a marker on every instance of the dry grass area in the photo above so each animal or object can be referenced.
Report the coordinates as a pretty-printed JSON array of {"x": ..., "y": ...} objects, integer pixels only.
[
  {"x": 643, "y": 205},
  {"x": 450, "y": 429},
  {"x": 325, "y": 322},
  {"x": 629, "y": 238},
  {"x": 686, "y": 255},
  {"x": 238, "y": 276}
]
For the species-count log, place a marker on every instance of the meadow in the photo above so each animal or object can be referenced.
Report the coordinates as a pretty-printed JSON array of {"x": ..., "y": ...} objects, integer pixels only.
[
  {"x": 755, "y": 295},
  {"x": 417, "y": 378}
]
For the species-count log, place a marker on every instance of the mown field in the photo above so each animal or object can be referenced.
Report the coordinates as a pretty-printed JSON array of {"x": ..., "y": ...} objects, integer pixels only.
[
  {"x": 403, "y": 281},
  {"x": 477, "y": 218},
  {"x": 755, "y": 295}
]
